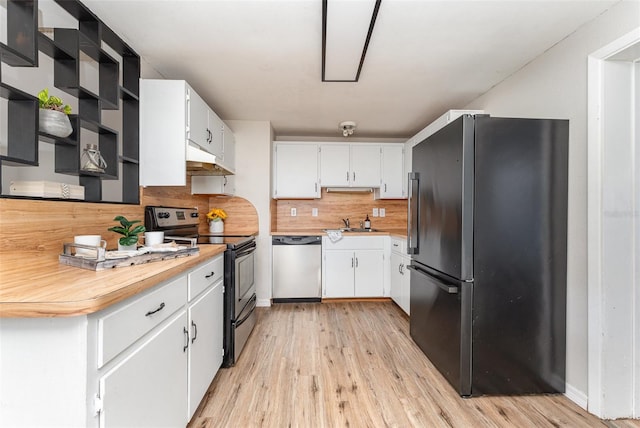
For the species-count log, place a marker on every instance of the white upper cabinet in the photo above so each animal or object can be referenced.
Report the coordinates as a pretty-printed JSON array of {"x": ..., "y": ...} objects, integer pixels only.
[
  {"x": 197, "y": 120},
  {"x": 335, "y": 168},
  {"x": 176, "y": 125},
  {"x": 350, "y": 165},
  {"x": 295, "y": 170},
  {"x": 365, "y": 165},
  {"x": 394, "y": 178}
]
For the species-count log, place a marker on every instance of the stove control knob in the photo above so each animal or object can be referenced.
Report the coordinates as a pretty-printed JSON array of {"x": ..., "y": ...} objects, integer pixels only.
[
  {"x": 163, "y": 214},
  {"x": 194, "y": 215}
]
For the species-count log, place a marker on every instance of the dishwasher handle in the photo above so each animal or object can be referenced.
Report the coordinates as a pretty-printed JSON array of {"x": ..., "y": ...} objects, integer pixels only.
[{"x": 296, "y": 240}]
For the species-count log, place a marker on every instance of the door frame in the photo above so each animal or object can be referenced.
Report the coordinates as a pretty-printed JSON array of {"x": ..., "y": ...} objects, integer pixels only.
[{"x": 613, "y": 377}]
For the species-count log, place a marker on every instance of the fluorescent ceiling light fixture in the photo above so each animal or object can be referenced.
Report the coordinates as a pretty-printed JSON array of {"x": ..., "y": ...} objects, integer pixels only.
[{"x": 347, "y": 26}]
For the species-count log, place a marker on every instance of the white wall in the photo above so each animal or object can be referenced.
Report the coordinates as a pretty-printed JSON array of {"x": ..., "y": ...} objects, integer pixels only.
[
  {"x": 555, "y": 86},
  {"x": 253, "y": 171}
]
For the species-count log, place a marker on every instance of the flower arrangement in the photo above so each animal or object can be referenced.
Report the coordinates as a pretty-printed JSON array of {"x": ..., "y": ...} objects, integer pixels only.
[{"x": 216, "y": 214}]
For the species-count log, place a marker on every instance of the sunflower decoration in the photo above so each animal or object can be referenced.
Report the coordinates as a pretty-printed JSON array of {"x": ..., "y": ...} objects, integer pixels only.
[{"x": 216, "y": 214}]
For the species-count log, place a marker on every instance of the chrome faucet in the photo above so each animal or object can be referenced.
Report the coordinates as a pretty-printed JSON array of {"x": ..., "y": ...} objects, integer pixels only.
[{"x": 346, "y": 223}]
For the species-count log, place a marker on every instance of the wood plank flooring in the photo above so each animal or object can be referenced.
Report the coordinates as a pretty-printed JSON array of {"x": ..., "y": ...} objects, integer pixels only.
[{"x": 354, "y": 364}]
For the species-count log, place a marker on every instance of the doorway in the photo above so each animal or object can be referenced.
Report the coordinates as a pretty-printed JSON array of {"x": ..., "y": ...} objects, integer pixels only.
[{"x": 613, "y": 229}]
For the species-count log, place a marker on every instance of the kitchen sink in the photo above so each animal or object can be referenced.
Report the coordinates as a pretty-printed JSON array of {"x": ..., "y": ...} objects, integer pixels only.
[{"x": 356, "y": 229}]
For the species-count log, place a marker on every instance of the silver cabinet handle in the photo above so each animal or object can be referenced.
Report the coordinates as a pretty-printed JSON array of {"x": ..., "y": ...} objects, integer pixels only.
[
  {"x": 356, "y": 262},
  {"x": 347, "y": 175},
  {"x": 351, "y": 261},
  {"x": 385, "y": 187},
  {"x": 354, "y": 176}
]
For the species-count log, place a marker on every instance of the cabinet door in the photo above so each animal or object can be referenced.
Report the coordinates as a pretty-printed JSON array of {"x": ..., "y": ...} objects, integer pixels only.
[
  {"x": 405, "y": 289},
  {"x": 147, "y": 389},
  {"x": 198, "y": 120},
  {"x": 365, "y": 165},
  {"x": 338, "y": 273},
  {"x": 396, "y": 278},
  {"x": 229, "y": 149},
  {"x": 393, "y": 177},
  {"x": 205, "y": 347},
  {"x": 369, "y": 273},
  {"x": 216, "y": 134},
  {"x": 213, "y": 184},
  {"x": 296, "y": 171},
  {"x": 334, "y": 165}
]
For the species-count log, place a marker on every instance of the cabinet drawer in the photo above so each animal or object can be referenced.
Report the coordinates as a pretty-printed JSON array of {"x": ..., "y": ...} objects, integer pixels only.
[
  {"x": 354, "y": 243},
  {"x": 399, "y": 245},
  {"x": 204, "y": 276},
  {"x": 121, "y": 327}
]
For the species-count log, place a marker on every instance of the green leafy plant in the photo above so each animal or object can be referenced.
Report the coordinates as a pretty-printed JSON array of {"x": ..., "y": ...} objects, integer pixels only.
[
  {"x": 128, "y": 230},
  {"x": 52, "y": 102}
]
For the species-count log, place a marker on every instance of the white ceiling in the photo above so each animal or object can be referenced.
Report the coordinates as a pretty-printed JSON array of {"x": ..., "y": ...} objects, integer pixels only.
[{"x": 261, "y": 59}]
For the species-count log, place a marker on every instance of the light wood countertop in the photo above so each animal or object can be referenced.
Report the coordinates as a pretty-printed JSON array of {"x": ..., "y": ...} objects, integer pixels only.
[
  {"x": 400, "y": 233},
  {"x": 34, "y": 284}
]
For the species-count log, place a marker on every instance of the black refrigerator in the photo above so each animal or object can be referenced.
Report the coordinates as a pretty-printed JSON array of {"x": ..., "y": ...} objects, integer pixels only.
[{"x": 488, "y": 241}]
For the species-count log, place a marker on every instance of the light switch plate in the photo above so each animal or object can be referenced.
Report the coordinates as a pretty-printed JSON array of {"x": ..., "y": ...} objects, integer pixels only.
[
  {"x": 382, "y": 212},
  {"x": 314, "y": 212},
  {"x": 294, "y": 212},
  {"x": 375, "y": 212}
]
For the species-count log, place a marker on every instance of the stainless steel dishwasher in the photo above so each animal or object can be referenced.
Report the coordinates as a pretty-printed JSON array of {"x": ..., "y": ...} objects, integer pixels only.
[{"x": 297, "y": 268}]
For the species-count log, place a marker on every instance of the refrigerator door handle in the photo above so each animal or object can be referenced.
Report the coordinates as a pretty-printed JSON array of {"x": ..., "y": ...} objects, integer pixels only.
[
  {"x": 449, "y": 288},
  {"x": 413, "y": 225}
]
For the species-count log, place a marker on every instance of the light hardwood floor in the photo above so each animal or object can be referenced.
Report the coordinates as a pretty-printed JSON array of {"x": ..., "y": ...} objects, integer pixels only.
[{"x": 354, "y": 364}]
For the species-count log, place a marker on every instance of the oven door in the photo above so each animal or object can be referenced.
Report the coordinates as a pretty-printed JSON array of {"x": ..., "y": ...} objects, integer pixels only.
[{"x": 244, "y": 283}]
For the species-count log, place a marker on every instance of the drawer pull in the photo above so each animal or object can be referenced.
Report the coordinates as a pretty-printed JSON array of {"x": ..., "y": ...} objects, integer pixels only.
[
  {"x": 186, "y": 335},
  {"x": 195, "y": 331},
  {"x": 161, "y": 307},
  {"x": 210, "y": 275}
]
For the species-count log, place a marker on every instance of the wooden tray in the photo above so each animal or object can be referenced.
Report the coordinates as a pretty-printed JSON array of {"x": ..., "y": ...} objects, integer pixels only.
[{"x": 108, "y": 263}]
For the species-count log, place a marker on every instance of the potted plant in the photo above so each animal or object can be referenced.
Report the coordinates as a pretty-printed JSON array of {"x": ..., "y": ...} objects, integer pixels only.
[
  {"x": 130, "y": 233},
  {"x": 216, "y": 218},
  {"x": 53, "y": 117}
]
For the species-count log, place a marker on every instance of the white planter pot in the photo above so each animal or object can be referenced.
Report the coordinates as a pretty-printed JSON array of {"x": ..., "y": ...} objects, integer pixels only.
[
  {"x": 216, "y": 226},
  {"x": 55, "y": 123},
  {"x": 127, "y": 247}
]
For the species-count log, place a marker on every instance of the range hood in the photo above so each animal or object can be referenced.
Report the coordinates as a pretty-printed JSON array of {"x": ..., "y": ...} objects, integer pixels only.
[
  {"x": 350, "y": 189},
  {"x": 200, "y": 162}
]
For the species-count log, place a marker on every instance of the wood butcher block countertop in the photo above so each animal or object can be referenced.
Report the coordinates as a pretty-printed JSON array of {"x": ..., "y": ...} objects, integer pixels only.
[
  {"x": 34, "y": 284},
  {"x": 400, "y": 233}
]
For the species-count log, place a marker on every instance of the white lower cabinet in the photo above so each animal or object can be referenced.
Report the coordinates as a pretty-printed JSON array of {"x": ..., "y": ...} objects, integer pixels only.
[
  {"x": 400, "y": 285},
  {"x": 146, "y": 361},
  {"x": 147, "y": 388},
  {"x": 353, "y": 267},
  {"x": 205, "y": 344}
]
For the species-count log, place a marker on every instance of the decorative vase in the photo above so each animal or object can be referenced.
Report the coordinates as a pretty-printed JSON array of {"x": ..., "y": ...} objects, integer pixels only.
[
  {"x": 216, "y": 226},
  {"x": 55, "y": 123},
  {"x": 133, "y": 247}
]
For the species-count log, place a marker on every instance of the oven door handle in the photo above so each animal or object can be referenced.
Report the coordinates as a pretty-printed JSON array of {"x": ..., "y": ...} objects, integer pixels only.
[
  {"x": 251, "y": 306},
  {"x": 247, "y": 251}
]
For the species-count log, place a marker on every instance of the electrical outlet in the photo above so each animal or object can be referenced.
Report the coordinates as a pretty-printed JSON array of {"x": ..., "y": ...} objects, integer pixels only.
[
  {"x": 382, "y": 212},
  {"x": 375, "y": 212},
  {"x": 314, "y": 212},
  {"x": 294, "y": 212}
]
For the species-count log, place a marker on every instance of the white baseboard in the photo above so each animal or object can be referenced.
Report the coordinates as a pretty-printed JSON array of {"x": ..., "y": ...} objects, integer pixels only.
[
  {"x": 577, "y": 396},
  {"x": 263, "y": 302}
]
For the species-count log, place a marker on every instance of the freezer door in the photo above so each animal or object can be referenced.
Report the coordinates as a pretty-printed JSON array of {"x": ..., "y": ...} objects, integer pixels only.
[
  {"x": 440, "y": 324},
  {"x": 441, "y": 200}
]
